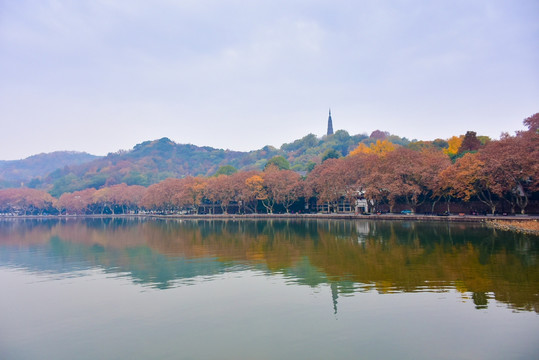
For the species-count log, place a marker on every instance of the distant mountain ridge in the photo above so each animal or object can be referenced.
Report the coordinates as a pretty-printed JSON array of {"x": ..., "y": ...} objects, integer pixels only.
[{"x": 13, "y": 173}]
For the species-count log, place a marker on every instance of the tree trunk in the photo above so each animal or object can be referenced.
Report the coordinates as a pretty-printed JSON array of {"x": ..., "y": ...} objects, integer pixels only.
[
  {"x": 486, "y": 198},
  {"x": 522, "y": 202},
  {"x": 434, "y": 204}
]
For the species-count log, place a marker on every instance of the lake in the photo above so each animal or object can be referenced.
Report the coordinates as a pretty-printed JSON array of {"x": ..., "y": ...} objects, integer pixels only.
[{"x": 118, "y": 288}]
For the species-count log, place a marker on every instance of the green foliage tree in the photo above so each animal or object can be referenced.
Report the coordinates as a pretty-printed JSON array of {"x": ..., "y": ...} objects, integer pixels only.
[
  {"x": 226, "y": 170},
  {"x": 440, "y": 143},
  {"x": 484, "y": 139},
  {"x": 331, "y": 154},
  {"x": 307, "y": 141},
  {"x": 310, "y": 166},
  {"x": 279, "y": 161}
]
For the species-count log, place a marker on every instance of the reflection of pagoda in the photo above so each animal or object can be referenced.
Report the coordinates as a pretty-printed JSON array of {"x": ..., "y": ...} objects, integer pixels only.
[
  {"x": 334, "y": 296},
  {"x": 330, "y": 124}
]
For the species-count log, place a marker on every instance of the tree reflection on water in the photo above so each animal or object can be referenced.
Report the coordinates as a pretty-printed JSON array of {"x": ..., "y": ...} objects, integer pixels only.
[{"x": 351, "y": 256}]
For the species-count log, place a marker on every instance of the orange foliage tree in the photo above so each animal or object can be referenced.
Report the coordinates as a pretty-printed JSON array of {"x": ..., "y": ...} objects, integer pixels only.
[
  {"x": 193, "y": 192},
  {"x": 219, "y": 191},
  {"x": 243, "y": 195},
  {"x": 281, "y": 187},
  {"x": 163, "y": 195},
  {"x": 254, "y": 189},
  {"x": 467, "y": 178}
]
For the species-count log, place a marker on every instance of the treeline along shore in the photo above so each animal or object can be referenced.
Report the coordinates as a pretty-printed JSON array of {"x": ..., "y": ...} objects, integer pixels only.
[{"x": 466, "y": 178}]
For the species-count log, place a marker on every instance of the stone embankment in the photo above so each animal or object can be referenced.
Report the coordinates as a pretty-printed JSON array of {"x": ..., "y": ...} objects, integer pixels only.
[
  {"x": 352, "y": 216},
  {"x": 522, "y": 226}
]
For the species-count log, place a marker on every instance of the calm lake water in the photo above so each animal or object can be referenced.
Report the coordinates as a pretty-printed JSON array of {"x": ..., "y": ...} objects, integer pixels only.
[{"x": 172, "y": 289}]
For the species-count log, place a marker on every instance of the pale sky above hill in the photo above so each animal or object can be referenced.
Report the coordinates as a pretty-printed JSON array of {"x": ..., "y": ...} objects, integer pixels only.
[{"x": 100, "y": 76}]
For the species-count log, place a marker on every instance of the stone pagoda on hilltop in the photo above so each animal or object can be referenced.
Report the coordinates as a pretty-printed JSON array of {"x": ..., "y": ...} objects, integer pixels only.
[{"x": 330, "y": 124}]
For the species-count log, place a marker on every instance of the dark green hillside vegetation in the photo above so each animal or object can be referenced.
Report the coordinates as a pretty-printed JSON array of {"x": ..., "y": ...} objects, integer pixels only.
[
  {"x": 146, "y": 164},
  {"x": 153, "y": 161},
  {"x": 311, "y": 149}
]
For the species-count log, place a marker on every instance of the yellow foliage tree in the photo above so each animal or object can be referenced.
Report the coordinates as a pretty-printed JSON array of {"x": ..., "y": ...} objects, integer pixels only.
[
  {"x": 255, "y": 184},
  {"x": 361, "y": 149},
  {"x": 380, "y": 148},
  {"x": 454, "y": 145}
]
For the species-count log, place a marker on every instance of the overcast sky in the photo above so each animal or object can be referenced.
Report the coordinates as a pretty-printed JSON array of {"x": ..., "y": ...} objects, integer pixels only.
[{"x": 100, "y": 76}]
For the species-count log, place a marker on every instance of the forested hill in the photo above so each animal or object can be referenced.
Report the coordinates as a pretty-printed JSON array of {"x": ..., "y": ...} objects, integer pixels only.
[
  {"x": 152, "y": 161},
  {"x": 13, "y": 173}
]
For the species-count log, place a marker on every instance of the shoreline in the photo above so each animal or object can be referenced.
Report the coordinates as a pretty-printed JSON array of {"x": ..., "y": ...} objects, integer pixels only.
[
  {"x": 334, "y": 216},
  {"x": 526, "y": 224}
]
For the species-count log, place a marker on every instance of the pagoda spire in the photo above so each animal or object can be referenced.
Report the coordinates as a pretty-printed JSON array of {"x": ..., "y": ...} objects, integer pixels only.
[{"x": 330, "y": 124}]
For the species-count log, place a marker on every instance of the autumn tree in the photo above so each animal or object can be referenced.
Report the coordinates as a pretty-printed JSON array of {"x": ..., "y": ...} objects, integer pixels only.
[
  {"x": 220, "y": 190},
  {"x": 434, "y": 162},
  {"x": 380, "y": 147},
  {"x": 512, "y": 163},
  {"x": 470, "y": 142},
  {"x": 254, "y": 189},
  {"x": 270, "y": 182},
  {"x": 77, "y": 202},
  {"x": 355, "y": 171},
  {"x": 119, "y": 198},
  {"x": 379, "y": 135},
  {"x": 328, "y": 182},
  {"x": 361, "y": 149},
  {"x": 103, "y": 199},
  {"x": 130, "y": 197},
  {"x": 406, "y": 176},
  {"x": 374, "y": 181},
  {"x": 532, "y": 123},
  {"x": 25, "y": 200},
  {"x": 453, "y": 145},
  {"x": 241, "y": 193},
  {"x": 467, "y": 178},
  {"x": 163, "y": 195},
  {"x": 280, "y": 187},
  {"x": 289, "y": 189},
  {"x": 193, "y": 191}
]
